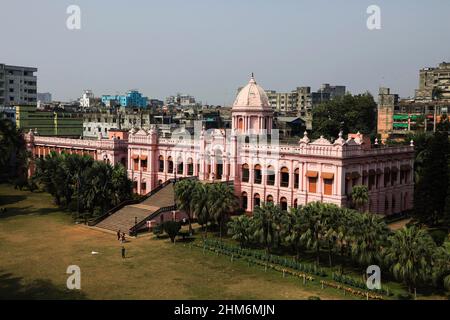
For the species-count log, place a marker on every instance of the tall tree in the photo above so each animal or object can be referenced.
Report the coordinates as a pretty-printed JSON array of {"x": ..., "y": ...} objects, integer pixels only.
[
  {"x": 241, "y": 229},
  {"x": 351, "y": 113},
  {"x": 410, "y": 253},
  {"x": 184, "y": 191},
  {"x": 432, "y": 188},
  {"x": 360, "y": 197},
  {"x": 224, "y": 202}
]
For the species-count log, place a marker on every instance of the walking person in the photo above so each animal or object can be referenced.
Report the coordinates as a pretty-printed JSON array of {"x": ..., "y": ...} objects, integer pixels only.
[
  {"x": 123, "y": 252},
  {"x": 118, "y": 234},
  {"x": 123, "y": 237}
]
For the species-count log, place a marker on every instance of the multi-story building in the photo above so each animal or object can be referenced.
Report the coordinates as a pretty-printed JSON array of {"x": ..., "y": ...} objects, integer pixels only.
[
  {"x": 133, "y": 99},
  {"x": 49, "y": 123},
  {"x": 181, "y": 100},
  {"x": 87, "y": 100},
  {"x": 301, "y": 100},
  {"x": 18, "y": 85},
  {"x": 262, "y": 169},
  {"x": 396, "y": 118},
  {"x": 432, "y": 79}
]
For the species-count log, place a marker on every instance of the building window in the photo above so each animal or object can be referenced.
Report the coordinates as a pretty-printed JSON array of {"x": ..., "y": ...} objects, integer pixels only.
[
  {"x": 244, "y": 200},
  {"x": 245, "y": 173},
  {"x": 284, "y": 177},
  {"x": 170, "y": 165},
  {"x": 312, "y": 184},
  {"x": 258, "y": 175},
  {"x": 328, "y": 187},
  {"x": 270, "y": 176},
  {"x": 269, "y": 199},
  {"x": 256, "y": 200},
  {"x": 161, "y": 164},
  {"x": 296, "y": 178},
  {"x": 143, "y": 187},
  {"x": 283, "y": 204}
]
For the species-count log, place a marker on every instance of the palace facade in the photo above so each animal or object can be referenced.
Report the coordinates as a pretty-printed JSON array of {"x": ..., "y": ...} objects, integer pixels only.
[{"x": 252, "y": 158}]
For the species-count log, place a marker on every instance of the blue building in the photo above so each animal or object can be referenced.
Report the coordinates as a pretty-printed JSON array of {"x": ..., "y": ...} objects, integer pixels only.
[{"x": 133, "y": 98}]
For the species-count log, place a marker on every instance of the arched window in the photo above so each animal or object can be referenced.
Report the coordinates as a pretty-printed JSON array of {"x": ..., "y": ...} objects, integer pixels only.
[
  {"x": 296, "y": 178},
  {"x": 180, "y": 168},
  {"x": 284, "y": 177},
  {"x": 269, "y": 199},
  {"x": 258, "y": 175},
  {"x": 219, "y": 163},
  {"x": 245, "y": 172},
  {"x": 169, "y": 165},
  {"x": 190, "y": 167},
  {"x": 244, "y": 200},
  {"x": 270, "y": 176},
  {"x": 283, "y": 204},
  {"x": 241, "y": 124},
  {"x": 256, "y": 200},
  {"x": 295, "y": 203}
]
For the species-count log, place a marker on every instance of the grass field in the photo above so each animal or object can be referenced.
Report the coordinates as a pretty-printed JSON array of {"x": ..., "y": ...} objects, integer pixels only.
[{"x": 38, "y": 242}]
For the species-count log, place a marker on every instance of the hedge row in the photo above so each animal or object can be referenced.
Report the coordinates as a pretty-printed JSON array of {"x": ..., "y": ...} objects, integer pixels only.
[
  {"x": 228, "y": 249},
  {"x": 358, "y": 284},
  {"x": 292, "y": 267}
]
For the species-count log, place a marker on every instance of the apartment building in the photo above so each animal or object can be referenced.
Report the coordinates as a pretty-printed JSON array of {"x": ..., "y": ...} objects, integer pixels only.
[{"x": 18, "y": 85}]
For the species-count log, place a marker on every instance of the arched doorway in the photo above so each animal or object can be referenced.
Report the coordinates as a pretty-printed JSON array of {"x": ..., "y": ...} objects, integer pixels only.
[
  {"x": 256, "y": 200},
  {"x": 244, "y": 200},
  {"x": 283, "y": 204}
]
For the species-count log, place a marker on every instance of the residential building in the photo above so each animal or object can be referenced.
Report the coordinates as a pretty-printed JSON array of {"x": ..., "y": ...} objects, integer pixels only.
[
  {"x": 18, "y": 85},
  {"x": 44, "y": 97},
  {"x": 87, "y": 100},
  {"x": 132, "y": 99},
  {"x": 432, "y": 79}
]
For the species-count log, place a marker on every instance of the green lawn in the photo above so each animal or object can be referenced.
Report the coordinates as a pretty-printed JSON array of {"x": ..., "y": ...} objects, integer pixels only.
[{"x": 38, "y": 242}]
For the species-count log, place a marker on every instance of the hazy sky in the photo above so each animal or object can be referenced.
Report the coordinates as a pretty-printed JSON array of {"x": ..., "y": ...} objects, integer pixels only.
[{"x": 208, "y": 48}]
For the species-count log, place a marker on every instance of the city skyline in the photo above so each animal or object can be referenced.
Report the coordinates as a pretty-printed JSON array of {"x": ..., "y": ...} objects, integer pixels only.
[{"x": 206, "y": 51}]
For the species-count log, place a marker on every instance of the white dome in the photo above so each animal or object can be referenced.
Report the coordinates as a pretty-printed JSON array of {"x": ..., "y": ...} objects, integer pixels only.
[{"x": 252, "y": 95}]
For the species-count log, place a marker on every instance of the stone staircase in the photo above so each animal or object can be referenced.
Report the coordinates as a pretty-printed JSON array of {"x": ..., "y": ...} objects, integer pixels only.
[{"x": 125, "y": 218}]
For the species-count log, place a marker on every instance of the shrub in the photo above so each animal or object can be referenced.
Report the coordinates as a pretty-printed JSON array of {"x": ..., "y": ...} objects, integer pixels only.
[
  {"x": 172, "y": 228},
  {"x": 313, "y": 298}
]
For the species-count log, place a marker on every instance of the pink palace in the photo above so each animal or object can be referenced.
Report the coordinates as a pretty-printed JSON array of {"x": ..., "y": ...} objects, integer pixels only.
[{"x": 250, "y": 156}]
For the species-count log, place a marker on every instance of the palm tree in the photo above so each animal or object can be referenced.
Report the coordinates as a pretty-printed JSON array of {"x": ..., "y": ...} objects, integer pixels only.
[
  {"x": 184, "y": 191},
  {"x": 345, "y": 230},
  {"x": 224, "y": 201},
  {"x": 241, "y": 229},
  {"x": 121, "y": 184},
  {"x": 50, "y": 174},
  {"x": 360, "y": 196},
  {"x": 202, "y": 198},
  {"x": 263, "y": 217},
  {"x": 314, "y": 227},
  {"x": 411, "y": 254},
  {"x": 330, "y": 218},
  {"x": 76, "y": 165},
  {"x": 441, "y": 266},
  {"x": 295, "y": 230},
  {"x": 369, "y": 237}
]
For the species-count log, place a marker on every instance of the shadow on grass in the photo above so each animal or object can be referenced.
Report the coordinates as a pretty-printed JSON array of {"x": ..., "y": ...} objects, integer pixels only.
[
  {"x": 7, "y": 200},
  {"x": 12, "y": 288},
  {"x": 28, "y": 210}
]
